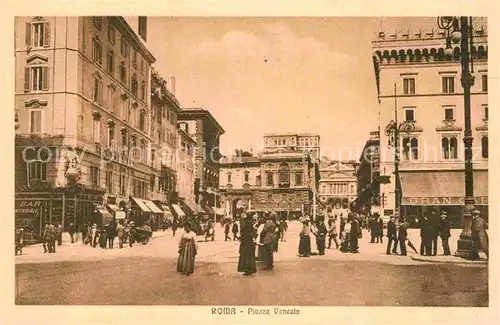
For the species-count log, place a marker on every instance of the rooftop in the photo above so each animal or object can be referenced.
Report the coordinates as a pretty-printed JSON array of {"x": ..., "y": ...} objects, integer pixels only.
[{"x": 188, "y": 113}]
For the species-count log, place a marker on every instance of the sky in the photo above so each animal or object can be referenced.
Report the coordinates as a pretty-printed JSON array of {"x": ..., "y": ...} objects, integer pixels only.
[{"x": 267, "y": 75}]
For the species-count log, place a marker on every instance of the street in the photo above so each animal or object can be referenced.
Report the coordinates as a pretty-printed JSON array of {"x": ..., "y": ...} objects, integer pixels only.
[{"x": 145, "y": 275}]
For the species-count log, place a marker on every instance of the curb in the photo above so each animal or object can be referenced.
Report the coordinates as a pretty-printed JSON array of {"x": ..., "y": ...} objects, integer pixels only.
[{"x": 459, "y": 261}]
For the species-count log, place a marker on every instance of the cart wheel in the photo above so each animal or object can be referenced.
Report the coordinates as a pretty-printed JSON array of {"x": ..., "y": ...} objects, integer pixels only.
[{"x": 145, "y": 241}]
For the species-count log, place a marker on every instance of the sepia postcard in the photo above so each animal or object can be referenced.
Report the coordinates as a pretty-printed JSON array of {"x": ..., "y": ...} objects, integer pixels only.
[{"x": 179, "y": 165}]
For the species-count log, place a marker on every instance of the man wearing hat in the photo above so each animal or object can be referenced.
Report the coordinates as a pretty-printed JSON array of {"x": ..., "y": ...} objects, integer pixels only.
[
  {"x": 444, "y": 232},
  {"x": 479, "y": 234}
]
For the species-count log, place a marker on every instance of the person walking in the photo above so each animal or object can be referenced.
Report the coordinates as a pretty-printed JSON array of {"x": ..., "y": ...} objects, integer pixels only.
[
  {"x": 227, "y": 228},
  {"x": 94, "y": 235},
  {"x": 47, "y": 247},
  {"x": 423, "y": 224},
  {"x": 391, "y": 237},
  {"x": 235, "y": 231},
  {"x": 402, "y": 236},
  {"x": 433, "y": 233},
  {"x": 59, "y": 234},
  {"x": 52, "y": 237},
  {"x": 188, "y": 248},
  {"x": 305, "y": 240},
  {"x": 479, "y": 234},
  {"x": 445, "y": 233},
  {"x": 72, "y": 230},
  {"x": 332, "y": 233},
  {"x": 380, "y": 229},
  {"x": 372, "y": 227},
  {"x": 268, "y": 243},
  {"x": 246, "y": 260},
  {"x": 355, "y": 235},
  {"x": 174, "y": 227},
  {"x": 111, "y": 232},
  {"x": 120, "y": 231},
  {"x": 320, "y": 234}
]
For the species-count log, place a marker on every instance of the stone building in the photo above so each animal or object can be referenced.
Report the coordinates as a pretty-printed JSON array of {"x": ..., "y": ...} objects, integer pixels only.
[
  {"x": 82, "y": 83},
  {"x": 337, "y": 188},
  {"x": 185, "y": 172},
  {"x": 414, "y": 75},
  {"x": 368, "y": 199},
  {"x": 206, "y": 131},
  {"x": 304, "y": 142}
]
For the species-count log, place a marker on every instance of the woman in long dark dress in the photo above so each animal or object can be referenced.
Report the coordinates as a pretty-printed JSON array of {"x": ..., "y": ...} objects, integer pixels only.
[
  {"x": 305, "y": 240},
  {"x": 246, "y": 262},
  {"x": 188, "y": 248}
]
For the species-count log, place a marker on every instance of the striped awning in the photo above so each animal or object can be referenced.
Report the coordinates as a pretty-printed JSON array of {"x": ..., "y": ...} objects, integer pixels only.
[
  {"x": 178, "y": 210},
  {"x": 141, "y": 204},
  {"x": 102, "y": 210},
  {"x": 152, "y": 206}
]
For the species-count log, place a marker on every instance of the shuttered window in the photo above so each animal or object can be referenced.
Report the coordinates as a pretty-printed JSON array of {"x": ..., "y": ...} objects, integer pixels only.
[
  {"x": 36, "y": 78},
  {"x": 35, "y": 121}
]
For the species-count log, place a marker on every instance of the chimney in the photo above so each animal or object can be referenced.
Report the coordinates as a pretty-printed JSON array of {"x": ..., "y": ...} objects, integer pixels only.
[
  {"x": 172, "y": 85},
  {"x": 143, "y": 28}
]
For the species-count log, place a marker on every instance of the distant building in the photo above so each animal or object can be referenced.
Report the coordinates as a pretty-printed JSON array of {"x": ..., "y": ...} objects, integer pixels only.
[
  {"x": 368, "y": 180},
  {"x": 337, "y": 188},
  {"x": 304, "y": 142},
  {"x": 206, "y": 131},
  {"x": 185, "y": 171},
  {"x": 430, "y": 97}
]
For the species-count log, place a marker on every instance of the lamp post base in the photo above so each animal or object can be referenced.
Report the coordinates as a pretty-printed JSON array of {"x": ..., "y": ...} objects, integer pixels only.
[{"x": 465, "y": 248}]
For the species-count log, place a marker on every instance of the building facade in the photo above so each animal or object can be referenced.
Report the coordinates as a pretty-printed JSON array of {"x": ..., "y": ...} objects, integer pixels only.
[
  {"x": 416, "y": 80},
  {"x": 337, "y": 188},
  {"x": 206, "y": 131},
  {"x": 82, "y": 100},
  {"x": 304, "y": 142},
  {"x": 368, "y": 199},
  {"x": 186, "y": 168}
]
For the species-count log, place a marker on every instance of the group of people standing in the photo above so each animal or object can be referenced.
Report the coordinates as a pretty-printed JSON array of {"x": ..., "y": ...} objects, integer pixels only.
[
  {"x": 52, "y": 233},
  {"x": 105, "y": 236}
]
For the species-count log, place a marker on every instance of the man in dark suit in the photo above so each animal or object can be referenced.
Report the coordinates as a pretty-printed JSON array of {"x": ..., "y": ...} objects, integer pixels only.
[
  {"x": 433, "y": 233},
  {"x": 392, "y": 237},
  {"x": 268, "y": 241},
  {"x": 444, "y": 232},
  {"x": 403, "y": 234},
  {"x": 423, "y": 225},
  {"x": 479, "y": 234}
]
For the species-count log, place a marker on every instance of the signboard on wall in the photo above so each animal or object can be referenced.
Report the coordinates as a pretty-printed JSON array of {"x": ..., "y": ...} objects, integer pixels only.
[{"x": 442, "y": 200}]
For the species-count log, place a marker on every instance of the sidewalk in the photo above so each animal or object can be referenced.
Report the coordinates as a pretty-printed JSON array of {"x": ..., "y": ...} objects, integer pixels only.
[{"x": 451, "y": 259}]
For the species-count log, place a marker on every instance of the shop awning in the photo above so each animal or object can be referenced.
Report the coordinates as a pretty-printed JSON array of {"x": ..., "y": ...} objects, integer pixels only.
[
  {"x": 141, "y": 204},
  {"x": 113, "y": 207},
  {"x": 102, "y": 210},
  {"x": 441, "y": 188},
  {"x": 192, "y": 206},
  {"x": 178, "y": 210},
  {"x": 152, "y": 206},
  {"x": 166, "y": 210}
]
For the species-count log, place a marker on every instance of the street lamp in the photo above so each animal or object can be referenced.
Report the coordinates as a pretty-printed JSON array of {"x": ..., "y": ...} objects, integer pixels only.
[
  {"x": 460, "y": 30},
  {"x": 392, "y": 130}
]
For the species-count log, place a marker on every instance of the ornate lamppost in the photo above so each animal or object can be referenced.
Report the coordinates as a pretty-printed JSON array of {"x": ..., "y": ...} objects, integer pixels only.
[
  {"x": 392, "y": 130},
  {"x": 460, "y": 30}
]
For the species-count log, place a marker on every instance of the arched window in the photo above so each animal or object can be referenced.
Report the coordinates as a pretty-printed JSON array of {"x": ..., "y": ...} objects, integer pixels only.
[
  {"x": 450, "y": 147},
  {"x": 414, "y": 148},
  {"x": 484, "y": 146},
  {"x": 134, "y": 84},
  {"x": 406, "y": 148},
  {"x": 284, "y": 175},
  {"x": 445, "y": 144},
  {"x": 453, "y": 148}
]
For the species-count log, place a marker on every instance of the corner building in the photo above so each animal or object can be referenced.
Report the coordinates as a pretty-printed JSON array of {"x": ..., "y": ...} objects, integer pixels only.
[
  {"x": 430, "y": 96},
  {"x": 82, "y": 83}
]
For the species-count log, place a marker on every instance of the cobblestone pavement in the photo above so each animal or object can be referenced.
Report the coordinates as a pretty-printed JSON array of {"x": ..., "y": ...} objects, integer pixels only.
[{"x": 144, "y": 275}]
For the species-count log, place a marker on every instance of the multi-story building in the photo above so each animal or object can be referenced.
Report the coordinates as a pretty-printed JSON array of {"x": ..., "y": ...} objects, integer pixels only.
[
  {"x": 206, "y": 131},
  {"x": 368, "y": 198},
  {"x": 82, "y": 84},
  {"x": 185, "y": 171},
  {"x": 280, "y": 180},
  {"x": 337, "y": 187},
  {"x": 418, "y": 81},
  {"x": 304, "y": 142}
]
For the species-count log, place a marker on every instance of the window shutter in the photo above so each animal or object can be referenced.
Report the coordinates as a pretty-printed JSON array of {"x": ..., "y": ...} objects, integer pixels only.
[
  {"x": 28, "y": 34},
  {"x": 27, "y": 79},
  {"x": 45, "y": 78},
  {"x": 46, "y": 36}
]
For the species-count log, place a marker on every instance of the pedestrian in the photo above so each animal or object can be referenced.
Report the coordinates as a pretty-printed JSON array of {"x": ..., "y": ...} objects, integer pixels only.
[
  {"x": 402, "y": 236},
  {"x": 372, "y": 228},
  {"x": 346, "y": 237},
  {"x": 260, "y": 232},
  {"x": 72, "y": 230},
  {"x": 103, "y": 237},
  {"x": 479, "y": 234},
  {"x": 285, "y": 229},
  {"x": 380, "y": 229},
  {"x": 132, "y": 232},
  {"x": 188, "y": 248},
  {"x": 332, "y": 233},
  {"x": 305, "y": 240},
  {"x": 391, "y": 237},
  {"x": 111, "y": 233},
  {"x": 433, "y": 233},
  {"x": 174, "y": 227},
  {"x": 227, "y": 228},
  {"x": 246, "y": 261},
  {"x": 84, "y": 229},
  {"x": 59, "y": 234},
  {"x": 423, "y": 225},
  {"x": 94, "y": 235},
  {"x": 355, "y": 235},
  {"x": 235, "y": 230},
  {"x": 320, "y": 234},
  {"x": 445, "y": 233},
  {"x": 46, "y": 239},
  {"x": 52, "y": 237},
  {"x": 268, "y": 242},
  {"x": 120, "y": 231}
]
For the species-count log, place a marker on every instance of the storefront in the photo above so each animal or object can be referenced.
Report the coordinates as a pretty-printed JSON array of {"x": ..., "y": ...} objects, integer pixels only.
[
  {"x": 424, "y": 192},
  {"x": 190, "y": 208},
  {"x": 101, "y": 217},
  {"x": 116, "y": 212},
  {"x": 167, "y": 214},
  {"x": 177, "y": 211},
  {"x": 155, "y": 216},
  {"x": 139, "y": 211}
]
